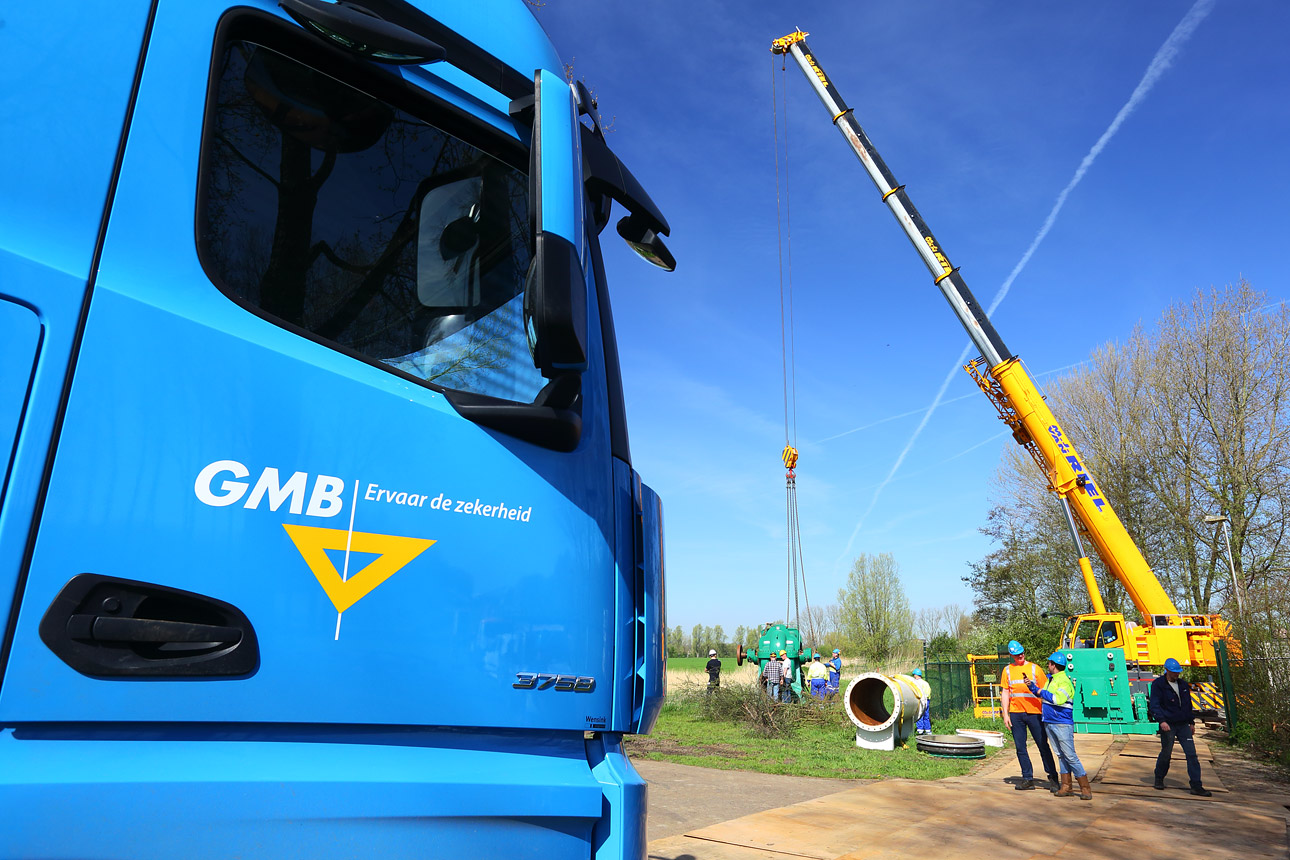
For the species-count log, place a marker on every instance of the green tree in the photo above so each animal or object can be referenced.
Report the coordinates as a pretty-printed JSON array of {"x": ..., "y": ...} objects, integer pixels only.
[
  {"x": 719, "y": 641},
  {"x": 676, "y": 642},
  {"x": 696, "y": 640},
  {"x": 873, "y": 609}
]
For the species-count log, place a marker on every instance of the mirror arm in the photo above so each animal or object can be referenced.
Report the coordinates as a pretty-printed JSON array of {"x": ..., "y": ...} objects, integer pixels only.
[
  {"x": 604, "y": 174},
  {"x": 553, "y": 420}
]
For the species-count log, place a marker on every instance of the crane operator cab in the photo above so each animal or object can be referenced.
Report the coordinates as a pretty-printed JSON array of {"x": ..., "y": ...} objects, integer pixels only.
[{"x": 1083, "y": 631}]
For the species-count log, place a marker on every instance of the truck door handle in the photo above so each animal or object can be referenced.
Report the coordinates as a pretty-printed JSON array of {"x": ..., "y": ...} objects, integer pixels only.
[
  {"x": 98, "y": 628},
  {"x": 107, "y": 627}
]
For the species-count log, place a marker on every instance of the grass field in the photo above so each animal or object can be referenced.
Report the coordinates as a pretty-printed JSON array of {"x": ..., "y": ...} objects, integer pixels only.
[{"x": 683, "y": 735}]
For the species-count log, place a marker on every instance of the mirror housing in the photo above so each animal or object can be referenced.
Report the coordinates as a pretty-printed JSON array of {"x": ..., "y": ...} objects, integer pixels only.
[
  {"x": 641, "y": 238},
  {"x": 555, "y": 292}
]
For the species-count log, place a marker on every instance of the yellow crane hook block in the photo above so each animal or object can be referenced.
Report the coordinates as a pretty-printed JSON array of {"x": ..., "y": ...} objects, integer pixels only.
[{"x": 790, "y": 457}]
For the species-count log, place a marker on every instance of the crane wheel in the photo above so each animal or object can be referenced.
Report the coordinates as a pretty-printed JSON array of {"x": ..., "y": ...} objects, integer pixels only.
[{"x": 739, "y": 655}]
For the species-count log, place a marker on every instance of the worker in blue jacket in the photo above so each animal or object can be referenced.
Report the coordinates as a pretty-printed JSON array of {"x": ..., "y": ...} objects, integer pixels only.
[
  {"x": 1170, "y": 703},
  {"x": 834, "y": 666},
  {"x": 1058, "y": 697}
]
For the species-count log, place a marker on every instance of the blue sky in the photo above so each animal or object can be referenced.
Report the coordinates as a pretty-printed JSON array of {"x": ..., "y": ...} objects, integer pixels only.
[{"x": 985, "y": 111}]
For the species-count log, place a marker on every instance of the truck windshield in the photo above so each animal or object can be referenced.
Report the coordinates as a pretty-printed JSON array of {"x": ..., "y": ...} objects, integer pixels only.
[{"x": 365, "y": 226}]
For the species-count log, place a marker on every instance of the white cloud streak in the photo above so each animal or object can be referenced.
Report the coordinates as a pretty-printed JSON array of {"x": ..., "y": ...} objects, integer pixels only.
[{"x": 1159, "y": 64}]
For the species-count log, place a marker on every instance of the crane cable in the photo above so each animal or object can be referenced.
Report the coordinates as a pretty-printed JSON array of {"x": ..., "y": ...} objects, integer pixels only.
[{"x": 784, "y": 236}]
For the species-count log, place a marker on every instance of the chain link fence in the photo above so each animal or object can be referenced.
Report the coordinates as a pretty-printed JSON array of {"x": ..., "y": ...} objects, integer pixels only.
[
  {"x": 954, "y": 682},
  {"x": 1255, "y": 685}
]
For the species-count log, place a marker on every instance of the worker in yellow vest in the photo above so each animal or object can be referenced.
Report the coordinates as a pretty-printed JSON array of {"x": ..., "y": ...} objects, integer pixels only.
[{"x": 1021, "y": 714}]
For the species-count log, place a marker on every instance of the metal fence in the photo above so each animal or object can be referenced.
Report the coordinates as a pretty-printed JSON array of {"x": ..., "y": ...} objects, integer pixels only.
[
  {"x": 953, "y": 683},
  {"x": 1255, "y": 691}
]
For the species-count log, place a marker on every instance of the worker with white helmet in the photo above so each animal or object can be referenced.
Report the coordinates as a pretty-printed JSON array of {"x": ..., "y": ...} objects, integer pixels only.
[{"x": 714, "y": 671}]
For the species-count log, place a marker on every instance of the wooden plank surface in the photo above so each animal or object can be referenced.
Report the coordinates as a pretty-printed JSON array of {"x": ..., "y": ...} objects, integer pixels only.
[{"x": 1131, "y": 770}]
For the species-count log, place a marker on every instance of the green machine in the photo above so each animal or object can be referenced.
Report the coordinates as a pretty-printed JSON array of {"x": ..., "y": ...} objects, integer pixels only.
[
  {"x": 773, "y": 639},
  {"x": 1110, "y": 697}
]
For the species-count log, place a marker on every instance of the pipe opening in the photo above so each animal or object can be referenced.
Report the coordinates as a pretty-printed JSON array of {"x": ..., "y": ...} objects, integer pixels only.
[{"x": 870, "y": 701}]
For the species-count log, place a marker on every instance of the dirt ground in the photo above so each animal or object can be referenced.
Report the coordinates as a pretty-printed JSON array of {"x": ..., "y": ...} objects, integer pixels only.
[{"x": 705, "y": 814}]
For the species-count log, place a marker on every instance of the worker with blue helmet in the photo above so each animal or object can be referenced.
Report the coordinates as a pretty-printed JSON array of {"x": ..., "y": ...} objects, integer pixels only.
[
  {"x": 834, "y": 684},
  {"x": 924, "y": 724},
  {"x": 1170, "y": 703},
  {"x": 1022, "y": 714},
  {"x": 1058, "y": 697}
]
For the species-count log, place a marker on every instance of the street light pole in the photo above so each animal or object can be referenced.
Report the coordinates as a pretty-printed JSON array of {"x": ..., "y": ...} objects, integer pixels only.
[{"x": 1236, "y": 582}]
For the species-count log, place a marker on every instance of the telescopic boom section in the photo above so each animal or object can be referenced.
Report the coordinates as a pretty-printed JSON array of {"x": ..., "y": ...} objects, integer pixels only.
[
  {"x": 947, "y": 277},
  {"x": 1006, "y": 381}
]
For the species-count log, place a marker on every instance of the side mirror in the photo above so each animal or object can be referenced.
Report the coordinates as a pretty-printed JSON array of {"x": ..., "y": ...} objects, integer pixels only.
[
  {"x": 555, "y": 292},
  {"x": 643, "y": 239},
  {"x": 607, "y": 179}
]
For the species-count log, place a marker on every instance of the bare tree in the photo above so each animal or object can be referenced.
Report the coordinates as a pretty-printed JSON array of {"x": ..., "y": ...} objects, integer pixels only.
[{"x": 1189, "y": 419}]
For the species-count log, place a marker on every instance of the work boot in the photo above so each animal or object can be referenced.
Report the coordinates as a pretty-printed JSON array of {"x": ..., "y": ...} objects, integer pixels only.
[
  {"x": 1053, "y": 782},
  {"x": 1201, "y": 791},
  {"x": 1025, "y": 785},
  {"x": 1159, "y": 784},
  {"x": 1085, "y": 793},
  {"x": 1065, "y": 790}
]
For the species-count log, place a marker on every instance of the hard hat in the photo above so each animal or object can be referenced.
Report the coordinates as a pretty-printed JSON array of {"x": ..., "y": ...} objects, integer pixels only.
[
  {"x": 917, "y": 673},
  {"x": 1014, "y": 648},
  {"x": 783, "y": 653},
  {"x": 1172, "y": 665},
  {"x": 1057, "y": 657},
  {"x": 836, "y": 651},
  {"x": 816, "y": 656},
  {"x": 712, "y": 652}
]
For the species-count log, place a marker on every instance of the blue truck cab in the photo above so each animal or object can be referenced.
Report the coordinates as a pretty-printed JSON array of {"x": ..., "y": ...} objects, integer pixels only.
[{"x": 319, "y": 533}]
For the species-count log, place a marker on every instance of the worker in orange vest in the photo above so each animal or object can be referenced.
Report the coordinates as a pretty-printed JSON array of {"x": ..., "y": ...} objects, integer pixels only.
[{"x": 1021, "y": 713}]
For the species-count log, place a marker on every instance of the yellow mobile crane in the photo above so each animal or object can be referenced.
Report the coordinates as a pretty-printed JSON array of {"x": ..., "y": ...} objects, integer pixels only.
[{"x": 1164, "y": 632}]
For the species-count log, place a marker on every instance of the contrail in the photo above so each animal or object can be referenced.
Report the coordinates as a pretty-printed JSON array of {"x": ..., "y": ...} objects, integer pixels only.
[
  {"x": 900, "y": 415},
  {"x": 1159, "y": 64}
]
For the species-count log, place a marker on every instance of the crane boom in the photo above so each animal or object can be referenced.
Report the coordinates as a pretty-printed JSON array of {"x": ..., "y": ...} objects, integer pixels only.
[{"x": 1003, "y": 378}]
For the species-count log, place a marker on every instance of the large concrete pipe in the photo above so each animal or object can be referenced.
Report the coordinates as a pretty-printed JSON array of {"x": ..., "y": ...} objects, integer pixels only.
[{"x": 877, "y": 726}]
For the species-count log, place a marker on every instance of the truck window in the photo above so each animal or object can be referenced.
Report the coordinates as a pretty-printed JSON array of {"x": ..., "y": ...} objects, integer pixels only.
[
  {"x": 1110, "y": 635},
  {"x": 1086, "y": 634},
  {"x": 363, "y": 224}
]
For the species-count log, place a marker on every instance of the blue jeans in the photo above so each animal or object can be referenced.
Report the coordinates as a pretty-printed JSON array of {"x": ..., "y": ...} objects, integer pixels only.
[
  {"x": 1063, "y": 737},
  {"x": 1021, "y": 722},
  {"x": 772, "y": 687},
  {"x": 1185, "y": 735}
]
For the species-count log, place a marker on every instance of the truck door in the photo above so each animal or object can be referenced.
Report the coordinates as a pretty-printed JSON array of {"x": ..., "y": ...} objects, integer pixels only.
[{"x": 266, "y": 505}]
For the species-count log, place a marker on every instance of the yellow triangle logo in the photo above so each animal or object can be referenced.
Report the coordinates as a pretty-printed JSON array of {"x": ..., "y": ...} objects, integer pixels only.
[{"x": 394, "y": 553}]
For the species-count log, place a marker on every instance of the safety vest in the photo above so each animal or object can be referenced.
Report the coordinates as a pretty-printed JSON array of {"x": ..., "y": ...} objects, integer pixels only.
[
  {"x": 1060, "y": 687},
  {"x": 1023, "y": 701}
]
